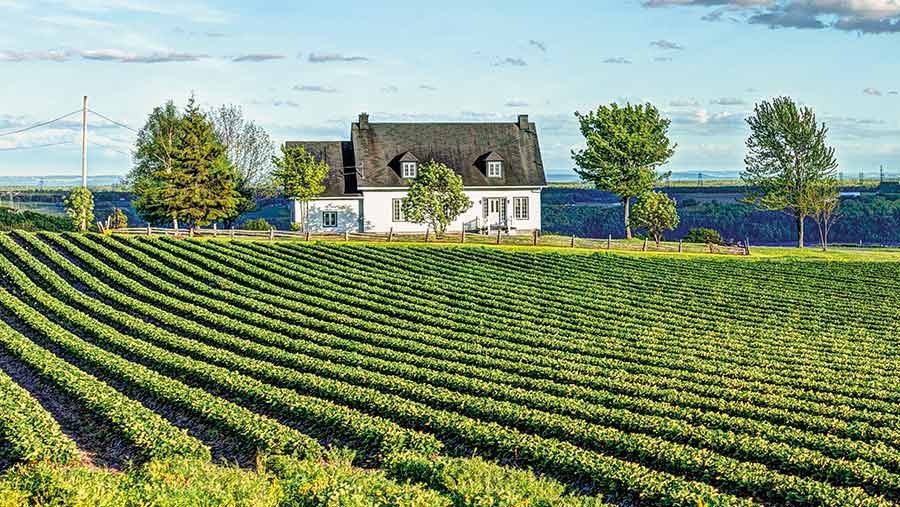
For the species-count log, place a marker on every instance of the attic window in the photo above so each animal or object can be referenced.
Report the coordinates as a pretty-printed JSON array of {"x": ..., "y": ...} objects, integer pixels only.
[
  {"x": 408, "y": 169},
  {"x": 495, "y": 169}
]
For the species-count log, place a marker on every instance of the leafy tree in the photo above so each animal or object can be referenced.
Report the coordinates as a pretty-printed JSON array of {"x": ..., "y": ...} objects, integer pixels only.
[
  {"x": 201, "y": 187},
  {"x": 435, "y": 197},
  {"x": 656, "y": 212},
  {"x": 80, "y": 207},
  {"x": 824, "y": 197},
  {"x": 300, "y": 176},
  {"x": 250, "y": 150},
  {"x": 703, "y": 235},
  {"x": 153, "y": 159},
  {"x": 625, "y": 146},
  {"x": 788, "y": 156},
  {"x": 118, "y": 219}
]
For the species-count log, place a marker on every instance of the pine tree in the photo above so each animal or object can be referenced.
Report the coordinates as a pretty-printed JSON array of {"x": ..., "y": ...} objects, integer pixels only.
[{"x": 200, "y": 188}]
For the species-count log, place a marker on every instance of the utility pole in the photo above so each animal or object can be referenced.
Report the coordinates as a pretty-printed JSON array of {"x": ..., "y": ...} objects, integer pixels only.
[
  {"x": 699, "y": 179},
  {"x": 881, "y": 174},
  {"x": 84, "y": 143}
]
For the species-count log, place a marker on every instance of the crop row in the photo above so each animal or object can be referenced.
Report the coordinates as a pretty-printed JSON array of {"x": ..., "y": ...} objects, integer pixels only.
[
  {"x": 148, "y": 433},
  {"x": 28, "y": 433}
]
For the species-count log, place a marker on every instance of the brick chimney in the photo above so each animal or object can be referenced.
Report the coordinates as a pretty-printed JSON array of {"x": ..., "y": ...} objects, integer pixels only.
[
  {"x": 523, "y": 122},
  {"x": 363, "y": 121}
]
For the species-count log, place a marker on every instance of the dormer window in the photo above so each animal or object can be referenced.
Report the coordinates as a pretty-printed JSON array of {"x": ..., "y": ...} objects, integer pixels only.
[
  {"x": 408, "y": 169},
  {"x": 494, "y": 169}
]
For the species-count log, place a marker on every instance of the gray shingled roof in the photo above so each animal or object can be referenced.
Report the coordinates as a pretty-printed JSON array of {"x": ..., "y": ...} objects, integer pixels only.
[
  {"x": 465, "y": 147},
  {"x": 377, "y": 149}
]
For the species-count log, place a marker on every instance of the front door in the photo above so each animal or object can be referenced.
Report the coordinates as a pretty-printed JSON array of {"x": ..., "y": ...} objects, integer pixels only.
[{"x": 496, "y": 211}]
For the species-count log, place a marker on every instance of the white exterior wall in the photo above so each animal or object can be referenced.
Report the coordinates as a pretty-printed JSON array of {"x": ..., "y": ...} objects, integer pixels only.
[
  {"x": 349, "y": 212},
  {"x": 377, "y": 207}
]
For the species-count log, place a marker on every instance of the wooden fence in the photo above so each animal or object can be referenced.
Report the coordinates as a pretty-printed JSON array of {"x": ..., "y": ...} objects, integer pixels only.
[{"x": 499, "y": 238}]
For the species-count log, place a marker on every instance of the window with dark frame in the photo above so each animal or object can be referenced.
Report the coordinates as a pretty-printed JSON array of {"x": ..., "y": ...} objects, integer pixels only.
[
  {"x": 329, "y": 219},
  {"x": 520, "y": 208}
]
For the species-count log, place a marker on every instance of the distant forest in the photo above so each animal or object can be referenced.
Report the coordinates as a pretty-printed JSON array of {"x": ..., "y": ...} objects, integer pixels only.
[{"x": 872, "y": 218}]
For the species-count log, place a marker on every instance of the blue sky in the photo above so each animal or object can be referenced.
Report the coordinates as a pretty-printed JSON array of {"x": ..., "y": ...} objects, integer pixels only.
[{"x": 305, "y": 72}]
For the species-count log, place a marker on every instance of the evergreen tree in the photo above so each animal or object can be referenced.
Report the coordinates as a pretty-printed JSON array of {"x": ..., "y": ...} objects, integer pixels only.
[{"x": 200, "y": 189}]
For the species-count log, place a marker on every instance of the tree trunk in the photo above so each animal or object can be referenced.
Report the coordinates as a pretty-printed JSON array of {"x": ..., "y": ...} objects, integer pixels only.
[
  {"x": 657, "y": 238},
  {"x": 626, "y": 201},
  {"x": 800, "y": 231}
]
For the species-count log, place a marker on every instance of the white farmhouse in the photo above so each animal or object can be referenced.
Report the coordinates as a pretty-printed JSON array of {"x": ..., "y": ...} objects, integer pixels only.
[{"x": 500, "y": 164}]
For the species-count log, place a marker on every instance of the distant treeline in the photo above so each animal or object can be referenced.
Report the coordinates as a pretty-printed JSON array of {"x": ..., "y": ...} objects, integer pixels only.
[
  {"x": 31, "y": 221},
  {"x": 872, "y": 219}
]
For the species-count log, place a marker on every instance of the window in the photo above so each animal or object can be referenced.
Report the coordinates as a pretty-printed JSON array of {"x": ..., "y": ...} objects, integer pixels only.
[
  {"x": 495, "y": 169},
  {"x": 408, "y": 169},
  {"x": 397, "y": 207},
  {"x": 520, "y": 208},
  {"x": 329, "y": 219}
]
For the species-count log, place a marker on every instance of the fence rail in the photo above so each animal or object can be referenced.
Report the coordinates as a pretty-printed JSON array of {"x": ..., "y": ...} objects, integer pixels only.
[{"x": 534, "y": 239}]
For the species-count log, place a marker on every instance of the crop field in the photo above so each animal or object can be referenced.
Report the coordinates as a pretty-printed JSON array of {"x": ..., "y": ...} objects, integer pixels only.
[{"x": 618, "y": 379}]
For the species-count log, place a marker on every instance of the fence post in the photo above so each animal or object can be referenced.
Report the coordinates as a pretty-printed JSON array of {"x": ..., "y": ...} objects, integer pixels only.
[
  {"x": 346, "y": 235},
  {"x": 307, "y": 235},
  {"x": 149, "y": 230},
  {"x": 271, "y": 233},
  {"x": 462, "y": 235},
  {"x": 391, "y": 235},
  {"x": 679, "y": 246},
  {"x": 534, "y": 239},
  {"x": 427, "y": 232},
  {"x": 747, "y": 246},
  {"x": 644, "y": 248},
  {"x": 232, "y": 232},
  {"x": 572, "y": 244},
  {"x": 710, "y": 245},
  {"x": 498, "y": 235},
  {"x": 609, "y": 242},
  {"x": 191, "y": 232},
  {"x": 215, "y": 230}
]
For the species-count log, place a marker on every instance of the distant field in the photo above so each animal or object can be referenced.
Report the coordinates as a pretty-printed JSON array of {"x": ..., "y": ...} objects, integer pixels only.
[{"x": 640, "y": 379}]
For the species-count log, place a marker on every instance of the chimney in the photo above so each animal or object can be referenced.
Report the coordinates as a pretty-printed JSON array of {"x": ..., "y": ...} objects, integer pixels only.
[
  {"x": 363, "y": 121},
  {"x": 523, "y": 122}
]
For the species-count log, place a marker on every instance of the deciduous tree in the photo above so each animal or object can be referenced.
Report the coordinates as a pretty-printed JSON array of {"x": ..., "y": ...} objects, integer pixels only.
[
  {"x": 788, "y": 156},
  {"x": 154, "y": 149},
  {"x": 825, "y": 200},
  {"x": 435, "y": 197},
  {"x": 249, "y": 149},
  {"x": 625, "y": 146},
  {"x": 655, "y": 212},
  {"x": 300, "y": 176}
]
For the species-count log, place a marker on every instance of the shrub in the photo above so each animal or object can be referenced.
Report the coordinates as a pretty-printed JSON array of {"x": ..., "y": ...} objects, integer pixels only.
[
  {"x": 256, "y": 224},
  {"x": 703, "y": 235}
]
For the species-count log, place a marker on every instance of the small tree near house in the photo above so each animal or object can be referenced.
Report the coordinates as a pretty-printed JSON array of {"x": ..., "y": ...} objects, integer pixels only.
[
  {"x": 655, "y": 212},
  {"x": 625, "y": 146},
  {"x": 436, "y": 197},
  {"x": 300, "y": 176}
]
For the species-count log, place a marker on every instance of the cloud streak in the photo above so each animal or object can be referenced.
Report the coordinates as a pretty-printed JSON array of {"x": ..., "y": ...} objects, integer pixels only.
[
  {"x": 314, "y": 89},
  {"x": 666, "y": 44},
  {"x": 334, "y": 57},
  {"x": 257, "y": 57},
  {"x": 510, "y": 61},
  {"x": 619, "y": 60}
]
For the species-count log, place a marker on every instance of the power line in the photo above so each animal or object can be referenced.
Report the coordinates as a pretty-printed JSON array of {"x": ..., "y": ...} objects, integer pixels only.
[
  {"x": 114, "y": 122},
  {"x": 92, "y": 143},
  {"x": 18, "y": 148},
  {"x": 26, "y": 129}
]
